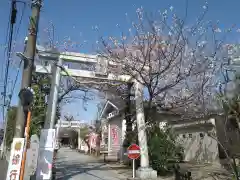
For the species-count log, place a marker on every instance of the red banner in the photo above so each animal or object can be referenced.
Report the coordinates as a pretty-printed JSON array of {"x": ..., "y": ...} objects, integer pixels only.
[{"x": 115, "y": 134}]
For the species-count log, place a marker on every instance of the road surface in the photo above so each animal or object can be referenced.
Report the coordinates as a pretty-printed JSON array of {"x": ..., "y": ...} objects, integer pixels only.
[{"x": 72, "y": 165}]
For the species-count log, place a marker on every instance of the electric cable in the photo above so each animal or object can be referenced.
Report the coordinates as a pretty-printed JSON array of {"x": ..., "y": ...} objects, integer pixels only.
[
  {"x": 10, "y": 33},
  {"x": 20, "y": 63},
  {"x": 6, "y": 39},
  {"x": 13, "y": 49},
  {"x": 6, "y": 104},
  {"x": 12, "y": 21}
]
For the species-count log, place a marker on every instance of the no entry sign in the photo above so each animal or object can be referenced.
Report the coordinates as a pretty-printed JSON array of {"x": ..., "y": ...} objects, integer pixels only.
[{"x": 133, "y": 151}]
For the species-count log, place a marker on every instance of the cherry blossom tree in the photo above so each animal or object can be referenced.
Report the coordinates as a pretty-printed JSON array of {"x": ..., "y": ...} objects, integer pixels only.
[{"x": 178, "y": 63}]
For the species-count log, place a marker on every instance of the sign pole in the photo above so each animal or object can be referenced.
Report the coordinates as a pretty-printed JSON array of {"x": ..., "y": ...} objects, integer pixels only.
[
  {"x": 133, "y": 152},
  {"x": 26, "y": 146},
  {"x": 134, "y": 168}
]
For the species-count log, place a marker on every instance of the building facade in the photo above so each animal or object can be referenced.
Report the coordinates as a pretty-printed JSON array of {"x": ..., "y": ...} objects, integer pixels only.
[{"x": 201, "y": 138}]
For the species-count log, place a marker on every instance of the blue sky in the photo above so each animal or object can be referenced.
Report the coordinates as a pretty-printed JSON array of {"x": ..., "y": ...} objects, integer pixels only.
[{"x": 76, "y": 18}]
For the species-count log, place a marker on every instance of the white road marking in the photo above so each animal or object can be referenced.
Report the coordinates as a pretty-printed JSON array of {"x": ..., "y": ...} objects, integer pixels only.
[{"x": 133, "y": 151}]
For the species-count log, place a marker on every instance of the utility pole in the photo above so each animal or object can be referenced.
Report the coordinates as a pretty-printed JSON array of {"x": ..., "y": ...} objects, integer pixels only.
[{"x": 28, "y": 58}]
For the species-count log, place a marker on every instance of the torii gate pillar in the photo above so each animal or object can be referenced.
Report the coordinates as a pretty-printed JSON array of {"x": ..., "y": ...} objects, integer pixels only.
[{"x": 145, "y": 171}]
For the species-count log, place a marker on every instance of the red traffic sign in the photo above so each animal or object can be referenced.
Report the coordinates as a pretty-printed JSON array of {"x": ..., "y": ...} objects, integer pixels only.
[{"x": 133, "y": 151}]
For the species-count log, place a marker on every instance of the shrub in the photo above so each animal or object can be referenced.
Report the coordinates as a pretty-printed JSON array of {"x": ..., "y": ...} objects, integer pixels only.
[{"x": 163, "y": 149}]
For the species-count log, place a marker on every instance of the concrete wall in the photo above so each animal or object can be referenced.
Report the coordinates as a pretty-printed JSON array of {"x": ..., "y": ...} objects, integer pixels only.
[{"x": 198, "y": 147}]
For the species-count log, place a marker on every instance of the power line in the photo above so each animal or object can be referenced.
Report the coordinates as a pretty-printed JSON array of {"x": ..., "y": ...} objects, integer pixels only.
[
  {"x": 9, "y": 55},
  {"x": 14, "y": 84},
  {"x": 19, "y": 66},
  {"x": 20, "y": 21},
  {"x": 6, "y": 40},
  {"x": 10, "y": 50},
  {"x": 12, "y": 21}
]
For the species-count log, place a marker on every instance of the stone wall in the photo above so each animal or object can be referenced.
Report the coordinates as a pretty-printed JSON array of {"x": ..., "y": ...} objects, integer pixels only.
[{"x": 198, "y": 146}]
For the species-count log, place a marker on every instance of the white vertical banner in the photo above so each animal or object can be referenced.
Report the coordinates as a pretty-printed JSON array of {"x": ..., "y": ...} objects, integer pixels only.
[
  {"x": 45, "y": 158},
  {"x": 14, "y": 165},
  {"x": 47, "y": 139},
  {"x": 32, "y": 157}
]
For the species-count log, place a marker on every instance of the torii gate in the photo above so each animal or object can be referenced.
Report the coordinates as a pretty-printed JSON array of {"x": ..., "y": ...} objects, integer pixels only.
[
  {"x": 145, "y": 171},
  {"x": 74, "y": 125}
]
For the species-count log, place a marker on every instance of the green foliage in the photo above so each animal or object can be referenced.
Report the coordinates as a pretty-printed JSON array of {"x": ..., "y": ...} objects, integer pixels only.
[
  {"x": 38, "y": 110},
  {"x": 11, "y": 123},
  {"x": 231, "y": 105},
  {"x": 41, "y": 90},
  {"x": 41, "y": 87},
  {"x": 163, "y": 148},
  {"x": 231, "y": 108}
]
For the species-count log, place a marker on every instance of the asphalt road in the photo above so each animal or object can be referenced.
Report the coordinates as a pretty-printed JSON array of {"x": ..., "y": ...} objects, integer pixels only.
[{"x": 71, "y": 165}]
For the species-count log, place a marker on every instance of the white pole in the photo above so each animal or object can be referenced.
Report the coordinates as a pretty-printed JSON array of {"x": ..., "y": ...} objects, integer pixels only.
[
  {"x": 134, "y": 168},
  {"x": 142, "y": 137},
  {"x": 53, "y": 99},
  {"x": 49, "y": 122}
]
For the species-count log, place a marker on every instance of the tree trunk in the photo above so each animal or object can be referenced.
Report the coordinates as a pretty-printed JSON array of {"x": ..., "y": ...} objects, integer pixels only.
[{"x": 128, "y": 117}]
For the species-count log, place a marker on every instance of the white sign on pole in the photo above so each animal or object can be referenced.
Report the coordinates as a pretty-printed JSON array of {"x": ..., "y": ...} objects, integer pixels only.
[
  {"x": 45, "y": 158},
  {"x": 44, "y": 169},
  {"x": 15, "y": 160},
  {"x": 32, "y": 157},
  {"x": 47, "y": 139}
]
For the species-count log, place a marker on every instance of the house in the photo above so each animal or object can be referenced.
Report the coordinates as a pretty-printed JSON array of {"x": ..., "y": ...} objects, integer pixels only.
[
  {"x": 113, "y": 128},
  {"x": 201, "y": 137}
]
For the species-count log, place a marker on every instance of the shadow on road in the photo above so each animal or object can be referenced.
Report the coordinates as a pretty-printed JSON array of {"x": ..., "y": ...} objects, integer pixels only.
[
  {"x": 73, "y": 165},
  {"x": 71, "y": 170}
]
